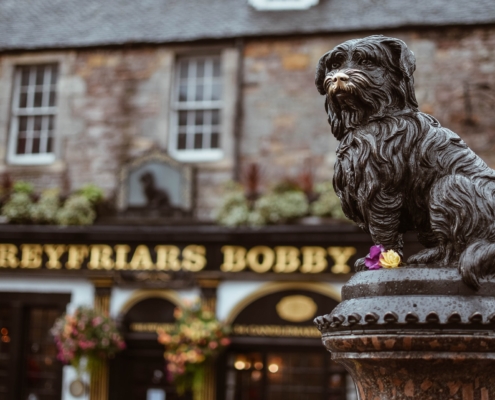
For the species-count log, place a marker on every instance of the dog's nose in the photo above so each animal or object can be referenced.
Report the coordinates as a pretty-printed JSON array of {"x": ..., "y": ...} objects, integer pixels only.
[{"x": 340, "y": 77}]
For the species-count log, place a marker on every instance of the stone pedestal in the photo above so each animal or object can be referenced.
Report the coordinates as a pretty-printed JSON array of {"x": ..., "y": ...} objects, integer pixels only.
[{"x": 414, "y": 333}]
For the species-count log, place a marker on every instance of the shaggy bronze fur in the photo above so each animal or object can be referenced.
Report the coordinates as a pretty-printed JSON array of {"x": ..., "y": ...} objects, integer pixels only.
[{"x": 397, "y": 169}]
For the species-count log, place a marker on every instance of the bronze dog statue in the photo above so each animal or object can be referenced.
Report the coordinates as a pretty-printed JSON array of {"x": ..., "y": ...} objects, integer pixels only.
[{"x": 397, "y": 169}]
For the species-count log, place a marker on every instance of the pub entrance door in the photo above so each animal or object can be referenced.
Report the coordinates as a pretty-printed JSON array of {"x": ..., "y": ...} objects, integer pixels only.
[{"x": 139, "y": 372}]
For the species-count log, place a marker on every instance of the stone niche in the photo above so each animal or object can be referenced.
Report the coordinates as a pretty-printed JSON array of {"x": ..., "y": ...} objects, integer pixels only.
[{"x": 153, "y": 186}]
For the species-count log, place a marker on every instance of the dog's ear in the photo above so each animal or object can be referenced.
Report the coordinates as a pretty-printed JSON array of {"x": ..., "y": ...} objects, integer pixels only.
[
  {"x": 407, "y": 60},
  {"x": 321, "y": 69},
  {"x": 407, "y": 64}
]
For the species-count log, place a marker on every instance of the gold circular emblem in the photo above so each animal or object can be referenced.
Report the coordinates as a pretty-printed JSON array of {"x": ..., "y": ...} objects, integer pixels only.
[{"x": 296, "y": 308}]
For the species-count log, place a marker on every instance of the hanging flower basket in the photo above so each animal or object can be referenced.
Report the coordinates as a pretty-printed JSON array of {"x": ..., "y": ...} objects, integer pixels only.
[
  {"x": 196, "y": 338},
  {"x": 86, "y": 334}
]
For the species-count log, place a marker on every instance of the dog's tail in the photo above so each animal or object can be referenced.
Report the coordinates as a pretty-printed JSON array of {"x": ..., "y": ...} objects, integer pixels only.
[{"x": 477, "y": 261}]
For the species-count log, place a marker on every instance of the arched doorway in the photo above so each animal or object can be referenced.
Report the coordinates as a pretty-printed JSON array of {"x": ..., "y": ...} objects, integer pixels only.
[
  {"x": 139, "y": 372},
  {"x": 276, "y": 351}
]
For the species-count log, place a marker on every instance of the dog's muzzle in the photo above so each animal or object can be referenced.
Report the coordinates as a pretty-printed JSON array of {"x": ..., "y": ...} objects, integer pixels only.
[{"x": 336, "y": 81}]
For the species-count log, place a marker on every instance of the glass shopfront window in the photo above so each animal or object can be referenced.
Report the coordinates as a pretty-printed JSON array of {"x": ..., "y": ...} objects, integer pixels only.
[
  {"x": 29, "y": 369},
  {"x": 284, "y": 375}
]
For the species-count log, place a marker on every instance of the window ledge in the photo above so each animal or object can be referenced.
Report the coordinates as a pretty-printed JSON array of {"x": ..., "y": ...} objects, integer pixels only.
[
  {"x": 197, "y": 155},
  {"x": 280, "y": 5},
  {"x": 43, "y": 159}
]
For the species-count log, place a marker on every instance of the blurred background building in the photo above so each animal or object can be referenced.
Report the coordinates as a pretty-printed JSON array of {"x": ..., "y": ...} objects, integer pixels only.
[{"x": 160, "y": 104}]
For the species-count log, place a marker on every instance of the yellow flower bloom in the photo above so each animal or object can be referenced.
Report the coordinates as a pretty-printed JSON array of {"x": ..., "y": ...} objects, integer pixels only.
[{"x": 389, "y": 259}]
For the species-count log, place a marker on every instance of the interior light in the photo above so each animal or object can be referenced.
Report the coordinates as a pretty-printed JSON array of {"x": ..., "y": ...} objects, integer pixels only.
[
  {"x": 4, "y": 331},
  {"x": 256, "y": 375},
  {"x": 273, "y": 368},
  {"x": 240, "y": 365},
  {"x": 258, "y": 365}
]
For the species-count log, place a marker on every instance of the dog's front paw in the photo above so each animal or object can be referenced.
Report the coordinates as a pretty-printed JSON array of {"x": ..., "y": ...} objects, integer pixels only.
[
  {"x": 359, "y": 265},
  {"x": 426, "y": 256}
]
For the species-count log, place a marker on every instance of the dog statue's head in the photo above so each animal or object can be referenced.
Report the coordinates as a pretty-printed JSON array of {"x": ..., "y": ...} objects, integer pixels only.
[{"x": 365, "y": 79}]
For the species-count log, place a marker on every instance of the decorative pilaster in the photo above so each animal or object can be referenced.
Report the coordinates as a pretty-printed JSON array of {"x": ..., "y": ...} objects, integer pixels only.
[
  {"x": 100, "y": 375},
  {"x": 209, "y": 299}
]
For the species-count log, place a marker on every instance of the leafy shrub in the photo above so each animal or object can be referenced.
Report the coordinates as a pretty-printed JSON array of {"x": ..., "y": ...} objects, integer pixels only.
[
  {"x": 77, "y": 210},
  {"x": 92, "y": 192},
  {"x": 234, "y": 210},
  {"x": 327, "y": 204},
  {"x": 279, "y": 207},
  {"x": 45, "y": 210},
  {"x": 18, "y": 207},
  {"x": 23, "y": 187}
]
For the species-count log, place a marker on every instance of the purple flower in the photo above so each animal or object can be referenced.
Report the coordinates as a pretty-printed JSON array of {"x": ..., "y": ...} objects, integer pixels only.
[{"x": 372, "y": 260}]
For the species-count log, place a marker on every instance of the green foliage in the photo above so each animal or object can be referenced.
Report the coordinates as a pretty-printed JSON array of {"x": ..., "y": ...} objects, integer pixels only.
[
  {"x": 77, "y": 210},
  {"x": 284, "y": 203},
  {"x": 327, "y": 204},
  {"x": 279, "y": 207},
  {"x": 23, "y": 187},
  {"x": 234, "y": 210},
  {"x": 45, "y": 210},
  {"x": 92, "y": 192},
  {"x": 18, "y": 208}
]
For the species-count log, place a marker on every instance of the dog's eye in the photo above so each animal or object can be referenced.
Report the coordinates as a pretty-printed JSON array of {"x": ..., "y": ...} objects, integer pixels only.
[
  {"x": 335, "y": 65},
  {"x": 366, "y": 62}
]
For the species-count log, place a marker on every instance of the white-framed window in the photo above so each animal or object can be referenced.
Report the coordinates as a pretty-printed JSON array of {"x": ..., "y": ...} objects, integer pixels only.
[
  {"x": 33, "y": 112},
  {"x": 282, "y": 4},
  {"x": 196, "y": 133}
]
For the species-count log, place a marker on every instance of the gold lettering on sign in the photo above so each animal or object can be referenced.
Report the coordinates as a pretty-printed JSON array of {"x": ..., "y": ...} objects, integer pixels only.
[
  {"x": 8, "y": 257},
  {"x": 141, "y": 258},
  {"x": 121, "y": 252},
  {"x": 54, "y": 252},
  {"x": 234, "y": 258},
  {"x": 314, "y": 260},
  {"x": 77, "y": 254},
  {"x": 276, "y": 330},
  {"x": 101, "y": 257},
  {"x": 167, "y": 258},
  {"x": 151, "y": 327},
  {"x": 31, "y": 255},
  {"x": 194, "y": 258},
  {"x": 340, "y": 256},
  {"x": 287, "y": 259},
  {"x": 267, "y": 256}
]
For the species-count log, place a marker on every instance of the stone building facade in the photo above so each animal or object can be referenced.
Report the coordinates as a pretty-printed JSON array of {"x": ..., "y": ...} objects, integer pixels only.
[
  {"x": 87, "y": 92},
  {"x": 114, "y": 105}
]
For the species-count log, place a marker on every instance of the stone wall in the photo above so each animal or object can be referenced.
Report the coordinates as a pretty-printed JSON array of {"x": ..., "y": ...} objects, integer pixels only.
[
  {"x": 284, "y": 119},
  {"x": 114, "y": 106}
]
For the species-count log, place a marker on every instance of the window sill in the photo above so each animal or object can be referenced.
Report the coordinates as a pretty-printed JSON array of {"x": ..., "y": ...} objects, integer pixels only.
[
  {"x": 196, "y": 156},
  {"x": 44, "y": 159}
]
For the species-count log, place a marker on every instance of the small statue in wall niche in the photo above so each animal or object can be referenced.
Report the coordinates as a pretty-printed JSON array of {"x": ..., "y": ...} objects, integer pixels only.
[
  {"x": 156, "y": 198},
  {"x": 397, "y": 169}
]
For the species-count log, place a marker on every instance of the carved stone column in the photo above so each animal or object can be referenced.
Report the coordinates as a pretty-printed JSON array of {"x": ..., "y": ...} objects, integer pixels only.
[
  {"x": 100, "y": 376},
  {"x": 209, "y": 299},
  {"x": 414, "y": 333}
]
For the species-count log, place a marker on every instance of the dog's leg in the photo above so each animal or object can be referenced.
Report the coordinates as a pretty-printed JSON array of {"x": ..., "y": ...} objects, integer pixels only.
[{"x": 383, "y": 219}]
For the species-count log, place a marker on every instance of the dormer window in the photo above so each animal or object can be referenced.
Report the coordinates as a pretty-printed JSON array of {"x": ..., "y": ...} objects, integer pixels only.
[{"x": 282, "y": 4}]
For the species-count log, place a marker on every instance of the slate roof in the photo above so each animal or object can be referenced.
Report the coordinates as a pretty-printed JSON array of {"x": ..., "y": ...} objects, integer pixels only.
[{"x": 36, "y": 24}]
